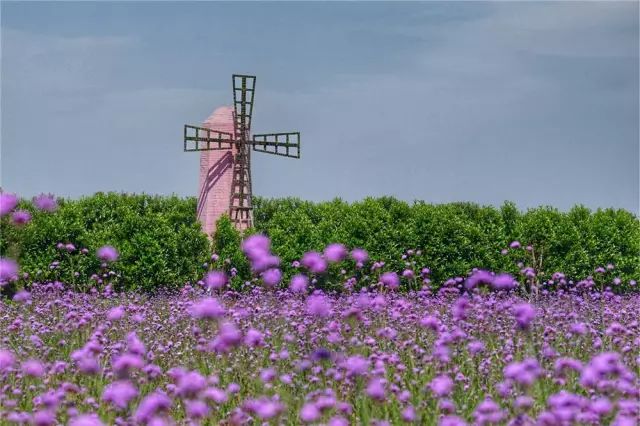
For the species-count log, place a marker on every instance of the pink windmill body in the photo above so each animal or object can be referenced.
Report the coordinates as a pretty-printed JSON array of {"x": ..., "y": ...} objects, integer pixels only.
[{"x": 225, "y": 159}]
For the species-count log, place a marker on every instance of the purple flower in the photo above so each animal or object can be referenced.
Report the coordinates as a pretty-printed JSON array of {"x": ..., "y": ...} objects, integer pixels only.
[
  {"x": 475, "y": 347},
  {"x": 120, "y": 393},
  {"x": 488, "y": 412},
  {"x": 256, "y": 245},
  {"x": 477, "y": 278},
  {"x": 215, "y": 280},
  {"x": 228, "y": 337},
  {"x": 257, "y": 250},
  {"x": 375, "y": 389},
  {"x": 8, "y": 202},
  {"x": 115, "y": 314},
  {"x": 196, "y": 409},
  {"x": 264, "y": 408},
  {"x": 7, "y": 359},
  {"x": 515, "y": 244},
  {"x": 190, "y": 384},
  {"x": 207, "y": 308},
  {"x": 272, "y": 277},
  {"x": 216, "y": 395},
  {"x": 33, "y": 368},
  {"x": 601, "y": 406},
  {"x": 134, "y": 344},
  {"x": 360, "y": 256},
  {"x": 524, "y": 373},
  {"x": 44, "y": 418},
  {"x": 451, "y": 421},
  {"x": 21, "y": 217},
  {"x": 151, "y": 405},
  {"x": 335, "y": 252},
  {"x": 504, "y": 282},
  {"x": 310, "y": 413},
  {"x": 524, "y": 314},
  {"x": 408, "y": 273},
  {"x": 267, "y": 375},
  {"x": 299, "y": 284},
  {"x": 318, "y": 306},
  {"x": 86, "y": 420},
  {"x": 390, "y": 280},
  {"x": 314, "y": 262},
  {"x": 8, "y": 270},
  {"x": 107, "y": 254},
  {"x": 409, "y": 414},
  {"x": 254, "y": 338},
  {"x": 127, "y": 362},
  {"x": 441, "y": 386},
  {"x": 87, "y": 364},
  {"x": 22, "y": 296},
  {"x": 338, "y": 421},
  {"x": 356, "y": 365},
  {"x": 45, "y": 202}
]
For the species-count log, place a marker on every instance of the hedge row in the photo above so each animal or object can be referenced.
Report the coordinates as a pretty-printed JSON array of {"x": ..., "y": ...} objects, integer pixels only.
[
  {"x": 158, "y": 238},
  {"x": 161, "y": 244},
  {"x": 454, "y": 238}
]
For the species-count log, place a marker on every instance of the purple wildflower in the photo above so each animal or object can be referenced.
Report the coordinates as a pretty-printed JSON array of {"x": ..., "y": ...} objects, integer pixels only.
[
  {"x": 441, "y": 386},
  {"x": 272, "y": 277},
  {"x": 207, "y": 308},
  {"x": 45, "y": 202},
  {"x": 215, "y": 280},
  {"x": 524, "y": 315},
  {"x": 390, "y": 280},
  {"x": 107, "y": 254},
  {"x": 314, "y": 262},
  {"x": 8, "y": 202},
  {"x": 21, "y": 217},
  {"x": 360, "y": 256},
  {"x": 151, "y": 405},
  {"x": 318, "y": 306},
  {"x": 8, "y": 270},
  {"x": 335, "y": 252},
  {"x": 299, "y": 284},
  {"x": 120, "y": 393}
]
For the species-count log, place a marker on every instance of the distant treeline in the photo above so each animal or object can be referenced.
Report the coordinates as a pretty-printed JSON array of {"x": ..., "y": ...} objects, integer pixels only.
[{"x": 161, "y": 244}]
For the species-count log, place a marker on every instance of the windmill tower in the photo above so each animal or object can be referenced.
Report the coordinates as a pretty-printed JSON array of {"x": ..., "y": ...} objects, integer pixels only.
[{"x": 225, "y": 143}]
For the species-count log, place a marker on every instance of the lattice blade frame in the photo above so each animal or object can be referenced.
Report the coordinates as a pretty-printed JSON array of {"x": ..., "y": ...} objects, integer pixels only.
[
  {"x": 283, "y": 144},
  {"x": 244, "y": 87},
  {"x": 203, "y": 139}
]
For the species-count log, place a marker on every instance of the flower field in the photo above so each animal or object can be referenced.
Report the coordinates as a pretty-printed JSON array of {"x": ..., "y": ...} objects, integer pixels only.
[{"x": 386, "y": 347}]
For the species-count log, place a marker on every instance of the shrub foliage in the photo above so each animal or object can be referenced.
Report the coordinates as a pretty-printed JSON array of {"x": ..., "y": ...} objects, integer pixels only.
[
  {"x": 161, "y": 243},
  {"x": 159, "y": 240}
]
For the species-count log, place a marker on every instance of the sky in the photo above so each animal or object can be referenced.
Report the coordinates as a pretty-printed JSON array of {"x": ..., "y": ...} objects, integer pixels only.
[{"x": 536, "y": 103}]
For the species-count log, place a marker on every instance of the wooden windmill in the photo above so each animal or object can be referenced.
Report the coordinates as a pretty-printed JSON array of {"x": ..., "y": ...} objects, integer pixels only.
[{"x": 232, "y": 138}]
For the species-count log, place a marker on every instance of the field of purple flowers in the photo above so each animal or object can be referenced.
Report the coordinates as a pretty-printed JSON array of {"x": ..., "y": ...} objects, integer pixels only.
[{"x": 485, "y": 349}]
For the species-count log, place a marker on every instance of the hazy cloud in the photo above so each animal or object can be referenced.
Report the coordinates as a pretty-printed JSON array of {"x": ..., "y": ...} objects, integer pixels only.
[{"x": 535, "y": 102}]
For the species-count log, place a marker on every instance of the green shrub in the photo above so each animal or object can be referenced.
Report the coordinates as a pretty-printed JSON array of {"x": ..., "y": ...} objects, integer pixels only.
[
  {"x": 159, "y": 240},
  {"x": 161, "y": 243},
  {"x": 454, "y": 238}
]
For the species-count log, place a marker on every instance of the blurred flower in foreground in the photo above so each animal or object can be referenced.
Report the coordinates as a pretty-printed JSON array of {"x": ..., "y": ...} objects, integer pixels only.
[
  {"x": 107, "y": 254},
  {"x": 45, "y": 202}
]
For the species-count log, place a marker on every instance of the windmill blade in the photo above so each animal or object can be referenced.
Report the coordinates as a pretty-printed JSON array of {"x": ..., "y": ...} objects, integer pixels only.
[
  {"x": 203, "y": 139},
  {"x": 284, "y": 144},
  {"x": 244, "y": 87}
]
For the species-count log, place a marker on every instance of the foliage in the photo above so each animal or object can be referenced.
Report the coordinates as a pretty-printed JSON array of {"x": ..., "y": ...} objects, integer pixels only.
[
  {"x": 161, "y": 244},
  {"x": 455, "y": 238},
  {"x": 159, "y": 240}
]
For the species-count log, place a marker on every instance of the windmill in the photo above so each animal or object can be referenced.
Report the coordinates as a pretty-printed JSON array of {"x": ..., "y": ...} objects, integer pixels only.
[{"x": 238, "y": 143}]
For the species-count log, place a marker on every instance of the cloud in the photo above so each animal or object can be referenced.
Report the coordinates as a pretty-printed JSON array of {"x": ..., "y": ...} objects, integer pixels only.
[
  {"x": 49, "y": 64},
  {"x": 534, "y": 103}
]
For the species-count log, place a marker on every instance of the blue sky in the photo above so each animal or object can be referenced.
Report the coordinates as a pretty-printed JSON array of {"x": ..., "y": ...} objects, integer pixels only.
[{"x": 531, "y": 102}]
